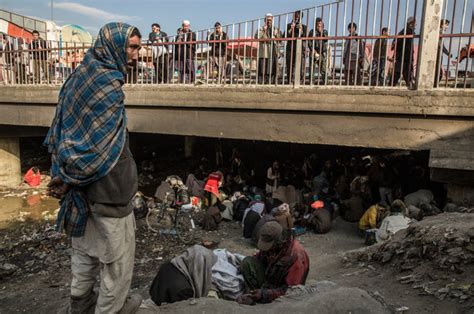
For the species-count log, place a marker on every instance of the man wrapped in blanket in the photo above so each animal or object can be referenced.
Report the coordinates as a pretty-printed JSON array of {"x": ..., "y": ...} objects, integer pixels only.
[{"x": 94, "y": 174}]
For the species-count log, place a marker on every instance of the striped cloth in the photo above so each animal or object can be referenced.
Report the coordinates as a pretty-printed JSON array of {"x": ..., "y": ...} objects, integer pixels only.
[{"x": 88, "y": 131}]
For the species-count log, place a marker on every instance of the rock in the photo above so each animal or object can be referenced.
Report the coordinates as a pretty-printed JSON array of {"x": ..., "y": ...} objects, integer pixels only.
[
  {"x": 29, "y": 263},
  {"x": 7, "y": 269},
  {"x": 325, "y": 301}
]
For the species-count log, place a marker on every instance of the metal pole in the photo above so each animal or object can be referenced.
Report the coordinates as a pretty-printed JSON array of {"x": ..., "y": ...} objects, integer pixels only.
[{"x": 52, "y": 10}]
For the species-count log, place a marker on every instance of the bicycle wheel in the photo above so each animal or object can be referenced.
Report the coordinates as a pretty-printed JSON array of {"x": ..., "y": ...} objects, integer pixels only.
[
  {"x": 185, "y": 227},
  {"x": 158, "y": 220}
]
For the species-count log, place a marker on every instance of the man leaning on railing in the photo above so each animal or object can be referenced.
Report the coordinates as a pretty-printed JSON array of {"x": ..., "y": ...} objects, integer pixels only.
[
  {"x": 268, "y": 51},
  {"x": 319, "y": 52},
  {"x": 159, "y": 53},
  {"x": 295, "y": 29}
]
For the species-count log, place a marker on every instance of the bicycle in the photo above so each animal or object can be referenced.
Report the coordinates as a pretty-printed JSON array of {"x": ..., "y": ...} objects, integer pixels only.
[{"x": 172, "y": 218}]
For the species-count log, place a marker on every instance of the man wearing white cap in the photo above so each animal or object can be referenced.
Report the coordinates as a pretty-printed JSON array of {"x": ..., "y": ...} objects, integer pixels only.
[
  {"x": 281, "y": 262},
  {"x": 185, "y": 53},
  {"x": 268, "y": 51}
]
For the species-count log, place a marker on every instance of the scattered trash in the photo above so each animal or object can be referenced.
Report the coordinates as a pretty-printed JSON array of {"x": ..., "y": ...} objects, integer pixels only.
[
  {"x": 33, "y": 177},
  {"x": 433, "y": 250}
]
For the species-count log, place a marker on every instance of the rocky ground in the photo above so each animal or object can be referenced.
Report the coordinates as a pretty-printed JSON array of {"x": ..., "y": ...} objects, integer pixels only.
[{"x": 425, "y": 269}]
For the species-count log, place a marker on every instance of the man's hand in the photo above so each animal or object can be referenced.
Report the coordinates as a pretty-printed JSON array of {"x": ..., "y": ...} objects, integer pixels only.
[
  {"x": 256, "y": 295},
  {"x": 57, "y": 188},
  {"x": 245, "y": 299}
]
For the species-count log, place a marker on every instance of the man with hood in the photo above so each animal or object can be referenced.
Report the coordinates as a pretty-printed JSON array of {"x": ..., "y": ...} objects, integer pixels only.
[{"x": 94, "y": 174}]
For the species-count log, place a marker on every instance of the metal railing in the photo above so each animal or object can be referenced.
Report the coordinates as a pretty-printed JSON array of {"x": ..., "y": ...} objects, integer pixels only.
[
  {"x": 455, "y": 53},
  {"x": 309, "y": 47}
]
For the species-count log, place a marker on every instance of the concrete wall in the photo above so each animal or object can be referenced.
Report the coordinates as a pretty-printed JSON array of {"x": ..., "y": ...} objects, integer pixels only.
[
  {"x": 10, "y": 166},
  {"x": 439, "y": 121}
]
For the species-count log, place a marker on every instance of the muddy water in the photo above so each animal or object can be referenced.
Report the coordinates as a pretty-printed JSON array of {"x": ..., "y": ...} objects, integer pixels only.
[{"x": 28, "y": 207}]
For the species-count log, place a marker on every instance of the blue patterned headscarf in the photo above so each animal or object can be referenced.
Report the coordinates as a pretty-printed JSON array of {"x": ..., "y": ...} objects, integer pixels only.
[{"x": 88, "y": 132}]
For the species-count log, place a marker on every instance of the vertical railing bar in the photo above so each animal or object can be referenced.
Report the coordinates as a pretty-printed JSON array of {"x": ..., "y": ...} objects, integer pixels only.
[
  {"x": 343, "y": 44},
  {"x": 450, "y": 42},
  {"x": 460, "y": 40}
]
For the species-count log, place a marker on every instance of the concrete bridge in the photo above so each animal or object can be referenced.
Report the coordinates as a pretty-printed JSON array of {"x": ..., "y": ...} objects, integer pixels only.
[
  {"x": 441, "y": 121},
  {"x": 434, "y": 119}
]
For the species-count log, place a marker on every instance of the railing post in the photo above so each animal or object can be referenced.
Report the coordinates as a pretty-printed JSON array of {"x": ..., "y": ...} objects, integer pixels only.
[
  {"x": 428, "y": 45},
  {"x": 298, "y": 57}
]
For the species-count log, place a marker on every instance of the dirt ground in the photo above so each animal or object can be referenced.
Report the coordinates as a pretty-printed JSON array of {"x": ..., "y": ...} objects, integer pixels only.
[{"x": 35, "y": 266}]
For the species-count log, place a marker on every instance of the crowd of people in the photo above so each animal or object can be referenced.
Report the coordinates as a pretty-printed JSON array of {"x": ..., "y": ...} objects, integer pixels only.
[
  {"x": 276, "y": 56},
  {"x": 95, "y": 177},
  {"x": 36, "y": 60},
  {"x": 380, "y": 194},
  {"x": 313, "y": 194},
  {"x": 272, "y": 56}
]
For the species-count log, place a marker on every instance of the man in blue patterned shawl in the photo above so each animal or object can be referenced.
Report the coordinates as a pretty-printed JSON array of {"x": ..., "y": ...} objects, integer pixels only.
[{"x": 94, "y": 174}]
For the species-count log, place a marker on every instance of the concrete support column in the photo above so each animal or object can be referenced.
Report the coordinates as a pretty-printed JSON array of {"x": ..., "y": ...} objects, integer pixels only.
[
  {"x": 10, "y": 166},
  {"x": 428, "y": 47},
  {"x": 298, "y": 61},
  {"x": 189, "y": 146},
  {"x": 461, "y": 194}
]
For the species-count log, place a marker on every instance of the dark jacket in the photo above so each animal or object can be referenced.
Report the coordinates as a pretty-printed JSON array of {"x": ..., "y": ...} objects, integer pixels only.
[
  {"x": 111, "y": 196},
  {"x": 408, "y": 47},
  {"x": 152, "y": 37},
  {"x": 380, "y": 49},
  {"x": 185, "y": 51},
  {"x": 296, "y": 33},
  {"x": 350, "y": 56},
  {"x": 320, "y": 46},
  {"x": 218, "y": 49},
  {"x": 40, "y": 54}
]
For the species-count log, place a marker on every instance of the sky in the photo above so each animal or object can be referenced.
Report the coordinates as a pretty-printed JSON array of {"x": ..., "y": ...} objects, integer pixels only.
[
  {"x": 169, "y": 13},
  {"x": 92, "y": 14}
]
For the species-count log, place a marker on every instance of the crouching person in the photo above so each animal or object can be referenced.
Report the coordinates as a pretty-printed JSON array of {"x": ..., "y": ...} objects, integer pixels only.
[
  {"x": 397, "y": 221},
  {"x": 280, "y": 263},
  {"x": 186, "y": 276},
  {"x": 371, "y": 220}
]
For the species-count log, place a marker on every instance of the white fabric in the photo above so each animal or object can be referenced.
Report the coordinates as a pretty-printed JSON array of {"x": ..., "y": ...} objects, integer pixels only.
[
  {"x": 228, "y": 213},
  {"x": 107, "y": 248},
  {"x": 225, "y": 274},
  {"x": 257, "y": 207},
  {"x": 271, "y": 188},
  {"x": 391, "y": 225}
]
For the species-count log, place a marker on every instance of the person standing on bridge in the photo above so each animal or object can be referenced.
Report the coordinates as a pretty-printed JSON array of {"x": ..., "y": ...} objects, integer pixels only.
[
  {"x": 159, "y": 41},
  {"x": 444, "y": 24},
  {"x": 268, "y": 51},
  {"x": 294, "y": 30},
  {"x": 319, "y": 49},
  {"x": 94, "y": 174},
  {"x": 185, "y": 52},
  {"x": 218, "y": 55},
  {"x": 354, "y": 53},
  {"x": 379, "y": 58},
  {"x": 404, "y": 55},
  {"x": 39, "y": 47}
]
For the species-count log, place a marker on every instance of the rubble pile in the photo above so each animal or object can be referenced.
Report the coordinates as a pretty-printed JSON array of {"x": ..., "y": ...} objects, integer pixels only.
[{"x": 436, "y": 255}]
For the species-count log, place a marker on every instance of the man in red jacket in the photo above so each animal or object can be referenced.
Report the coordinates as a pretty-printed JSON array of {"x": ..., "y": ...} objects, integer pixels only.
[{"x": 281, "y": 262}]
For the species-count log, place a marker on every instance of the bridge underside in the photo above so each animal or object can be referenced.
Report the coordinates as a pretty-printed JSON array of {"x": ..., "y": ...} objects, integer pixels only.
[{"x": 439, "y": 121}]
